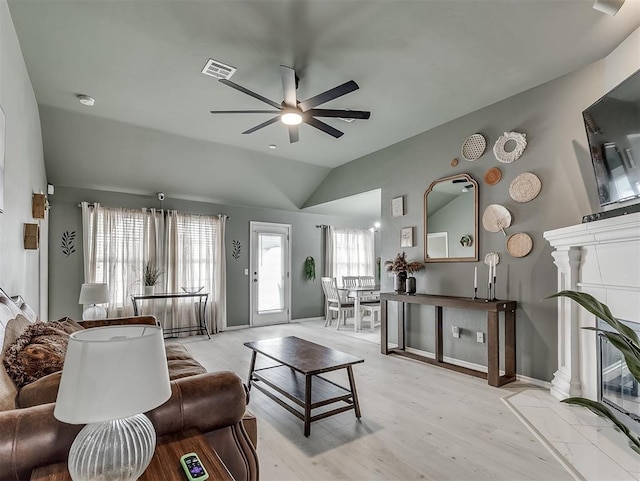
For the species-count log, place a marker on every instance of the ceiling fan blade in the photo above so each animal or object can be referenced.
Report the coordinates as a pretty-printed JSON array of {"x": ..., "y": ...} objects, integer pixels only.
[
  {"x": 250, "y": 93},
  {"x": 263, "y": 124},
  {"x": 294, "y": 133},
  {"x": 318, "y": 124},
  {"x": 245, "y": 111},
  {"x": 330, "y": 94},
  {"x": 289, "y": 86},
  {"x": 343, "y": 114}
]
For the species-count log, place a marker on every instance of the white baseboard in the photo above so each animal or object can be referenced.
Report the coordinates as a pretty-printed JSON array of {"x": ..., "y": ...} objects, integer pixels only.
[
  {"x": 480, "y": 367},
  {"x": 307, "y": 319},
  {"x": 235, "y": 328}
]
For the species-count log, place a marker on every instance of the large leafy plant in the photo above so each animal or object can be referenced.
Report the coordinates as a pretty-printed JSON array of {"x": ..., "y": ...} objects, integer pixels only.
[{"x": 623, "y": 338}]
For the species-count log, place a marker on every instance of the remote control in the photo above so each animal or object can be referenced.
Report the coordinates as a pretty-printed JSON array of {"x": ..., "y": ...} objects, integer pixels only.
[{"x": 193, "y": 467}]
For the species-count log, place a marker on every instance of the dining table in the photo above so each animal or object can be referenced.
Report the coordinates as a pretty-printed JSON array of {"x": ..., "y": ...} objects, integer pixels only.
[{"x": 357, "y": 294}]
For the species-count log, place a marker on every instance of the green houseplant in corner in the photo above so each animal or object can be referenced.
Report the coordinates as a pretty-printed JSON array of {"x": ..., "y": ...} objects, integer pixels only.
[{"x": 624, "y": 339}]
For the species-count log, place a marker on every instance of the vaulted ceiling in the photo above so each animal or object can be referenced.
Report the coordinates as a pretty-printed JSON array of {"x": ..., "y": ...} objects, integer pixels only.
[{"x": 418, "y": 63}]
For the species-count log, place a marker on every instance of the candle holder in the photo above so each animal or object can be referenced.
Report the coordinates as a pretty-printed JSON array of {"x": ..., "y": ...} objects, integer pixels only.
[
  {"x": 475, "y": 293},
  {"x": 489, "y": 296}
]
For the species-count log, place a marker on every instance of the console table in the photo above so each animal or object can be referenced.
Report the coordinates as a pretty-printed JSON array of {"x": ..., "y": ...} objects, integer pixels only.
[
  {"x": 492, "y": 308},
  {"x": 201, "y": 313}
]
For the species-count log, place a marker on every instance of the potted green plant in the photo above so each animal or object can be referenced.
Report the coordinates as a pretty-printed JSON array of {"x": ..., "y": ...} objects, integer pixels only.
[
  {"x": 150, "y": 277},
  {"x": 624, "y": 339},
  {"x": 402, "y": 268}
]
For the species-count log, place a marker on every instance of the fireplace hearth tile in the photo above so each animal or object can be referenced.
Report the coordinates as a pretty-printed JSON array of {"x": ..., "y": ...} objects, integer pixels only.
[{"x": 585, "y": 444}]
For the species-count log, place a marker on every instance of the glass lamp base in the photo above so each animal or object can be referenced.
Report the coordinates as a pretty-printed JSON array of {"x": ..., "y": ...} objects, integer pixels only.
[{"x": 118, "y": 450}]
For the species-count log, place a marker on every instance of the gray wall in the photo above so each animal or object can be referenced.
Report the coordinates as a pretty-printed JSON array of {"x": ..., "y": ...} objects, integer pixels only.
[
  {"x": 66, "y": 273},
  {"x": 22, "y": 271},
  {"x": 550, "y": 116}
]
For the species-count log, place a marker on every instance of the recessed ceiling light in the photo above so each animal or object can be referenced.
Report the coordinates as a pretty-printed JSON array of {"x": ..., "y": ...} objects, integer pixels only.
[
  {"x": 86, "y": 100},
  {"x": 273, "y": 146},
  {"x": 376, "y": 225}
]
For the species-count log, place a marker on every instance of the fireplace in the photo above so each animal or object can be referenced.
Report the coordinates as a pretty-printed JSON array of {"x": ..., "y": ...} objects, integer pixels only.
[
  {"x": 599, "y": 258},
  {"x": 618, "y": 389}
]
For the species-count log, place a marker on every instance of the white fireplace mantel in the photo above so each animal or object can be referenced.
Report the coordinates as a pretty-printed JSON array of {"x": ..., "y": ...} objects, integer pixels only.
[{"x": 603, "y": 259}]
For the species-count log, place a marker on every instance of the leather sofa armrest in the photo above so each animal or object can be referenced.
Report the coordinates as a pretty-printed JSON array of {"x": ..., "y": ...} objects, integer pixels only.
[
  {"x": 151, "y": 320},
  {"x": 42, "y": 391}
]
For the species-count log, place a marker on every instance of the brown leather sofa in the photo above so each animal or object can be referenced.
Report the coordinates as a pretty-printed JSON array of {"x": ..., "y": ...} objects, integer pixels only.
[{"x": 213, "y": 403}]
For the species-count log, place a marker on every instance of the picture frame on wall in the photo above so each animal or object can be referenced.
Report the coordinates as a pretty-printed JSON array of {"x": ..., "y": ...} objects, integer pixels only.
[
  {"x": 397, "y": 206},
  {"x": 406, "y": 237},
  {"x": 2, "y": 150}
]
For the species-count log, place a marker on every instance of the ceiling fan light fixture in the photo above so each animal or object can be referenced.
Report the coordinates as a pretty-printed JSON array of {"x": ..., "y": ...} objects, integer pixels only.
[{"x": 291, "y": 118}]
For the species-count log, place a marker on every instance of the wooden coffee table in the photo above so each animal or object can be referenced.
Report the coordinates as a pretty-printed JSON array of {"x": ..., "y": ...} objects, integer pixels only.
[{"x": 297, "y": 377}]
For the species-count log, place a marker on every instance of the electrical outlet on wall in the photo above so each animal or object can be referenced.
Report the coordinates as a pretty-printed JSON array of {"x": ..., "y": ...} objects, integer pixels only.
[
  {"x": 456, "y": 331},
  {"x": 480, "y": 336}
]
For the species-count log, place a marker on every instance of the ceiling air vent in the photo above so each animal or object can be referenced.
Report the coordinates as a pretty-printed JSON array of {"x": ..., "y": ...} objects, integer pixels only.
[{"x": 218, "y": 70}]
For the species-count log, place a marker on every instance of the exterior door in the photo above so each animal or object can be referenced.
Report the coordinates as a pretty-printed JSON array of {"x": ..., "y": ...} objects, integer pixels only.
[{"x": 270, "y": 279}]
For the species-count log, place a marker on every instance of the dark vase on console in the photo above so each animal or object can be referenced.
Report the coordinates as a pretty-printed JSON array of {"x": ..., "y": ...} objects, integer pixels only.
[
  {"x": 400, "y": 282},
  {"x": 411, "y": 285}
]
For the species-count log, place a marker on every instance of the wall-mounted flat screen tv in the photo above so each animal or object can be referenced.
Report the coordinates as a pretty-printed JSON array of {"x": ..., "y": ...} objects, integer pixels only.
[{"x": 613, "y": 131}]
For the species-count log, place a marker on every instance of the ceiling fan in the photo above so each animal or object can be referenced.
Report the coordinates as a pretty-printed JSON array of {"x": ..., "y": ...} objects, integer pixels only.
[{"x": 291, "y": 112}]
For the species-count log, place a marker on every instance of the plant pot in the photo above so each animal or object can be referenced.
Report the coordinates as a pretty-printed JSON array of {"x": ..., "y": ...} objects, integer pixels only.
[
  {"x": 400, "y": 282},
  {"x": 149, "y": 290},
  {"x": 411, "y": 285}
]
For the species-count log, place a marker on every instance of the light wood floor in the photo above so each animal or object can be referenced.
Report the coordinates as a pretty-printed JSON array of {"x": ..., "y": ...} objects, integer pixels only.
[{"x": 418, "y": 421}]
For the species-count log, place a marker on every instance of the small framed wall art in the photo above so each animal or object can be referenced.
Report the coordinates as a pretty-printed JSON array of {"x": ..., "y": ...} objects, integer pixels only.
[
  {"x": 406, "y": 237},
  {"x": 397, "y": 206}
]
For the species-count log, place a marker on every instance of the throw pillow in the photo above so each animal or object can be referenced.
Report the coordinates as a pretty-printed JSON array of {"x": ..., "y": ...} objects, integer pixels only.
[{"x": 39, "y": 351}]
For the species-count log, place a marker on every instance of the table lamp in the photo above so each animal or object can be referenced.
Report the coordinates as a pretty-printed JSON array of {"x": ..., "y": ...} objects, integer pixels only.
[
  {"x": 112, "y": 375},
  {"x": 94, "y": 294}
]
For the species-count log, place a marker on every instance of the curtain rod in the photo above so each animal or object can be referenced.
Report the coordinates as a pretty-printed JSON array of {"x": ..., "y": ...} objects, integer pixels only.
[{"x": 91, "y": 204}]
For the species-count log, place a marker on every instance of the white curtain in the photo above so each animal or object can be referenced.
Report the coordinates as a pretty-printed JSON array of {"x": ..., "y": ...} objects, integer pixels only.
[
  {"x": 352, "y": 253},
  {"x": 187, "y": 248}
]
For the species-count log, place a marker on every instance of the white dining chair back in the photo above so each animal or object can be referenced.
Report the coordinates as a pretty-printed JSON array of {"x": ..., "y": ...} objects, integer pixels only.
[
  {"x": 367, "y": 281},
  {"x": 335, "y": 303},
  {"x": 350, "y": 281}
]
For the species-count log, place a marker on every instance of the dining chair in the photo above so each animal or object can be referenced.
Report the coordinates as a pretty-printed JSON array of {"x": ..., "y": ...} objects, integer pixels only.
[
  {"x": 350, "y": 281},
  {"x": 335, "y": 302},
  {"x": 373, "y": 309},
  {"x": 368, "y": 281}
]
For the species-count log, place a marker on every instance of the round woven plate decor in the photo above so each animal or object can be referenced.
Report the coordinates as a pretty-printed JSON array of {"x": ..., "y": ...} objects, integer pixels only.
[
  {"x": 519, "y": 245},
  {"x": 473, "y": 147},
  {"x": 492, "y": 176},
  {"x": 525, "y": 187}
]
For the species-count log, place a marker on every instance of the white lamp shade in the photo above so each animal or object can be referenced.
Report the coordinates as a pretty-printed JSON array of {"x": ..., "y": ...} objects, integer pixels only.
[
  {"x": 94, "y": 294},
  {"x": 111, "y": 373}
]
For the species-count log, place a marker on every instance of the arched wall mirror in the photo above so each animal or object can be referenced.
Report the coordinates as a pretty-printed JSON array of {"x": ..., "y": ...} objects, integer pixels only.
[{"x": 451, "y": 220}]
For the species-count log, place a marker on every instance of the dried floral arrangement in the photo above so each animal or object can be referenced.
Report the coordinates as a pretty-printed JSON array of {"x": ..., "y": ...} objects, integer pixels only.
[{"x": 400, "y": 264}]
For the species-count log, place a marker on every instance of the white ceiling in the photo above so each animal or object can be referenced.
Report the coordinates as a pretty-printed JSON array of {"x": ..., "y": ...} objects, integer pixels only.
[{"x": 419, "y": 64}]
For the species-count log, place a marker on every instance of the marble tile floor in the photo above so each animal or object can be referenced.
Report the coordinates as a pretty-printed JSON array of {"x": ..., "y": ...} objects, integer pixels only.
[{"x": 586, "y": 445}]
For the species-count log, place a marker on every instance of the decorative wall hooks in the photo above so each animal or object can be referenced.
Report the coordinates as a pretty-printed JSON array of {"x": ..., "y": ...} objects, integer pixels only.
[{"x": 499, "y": 147}]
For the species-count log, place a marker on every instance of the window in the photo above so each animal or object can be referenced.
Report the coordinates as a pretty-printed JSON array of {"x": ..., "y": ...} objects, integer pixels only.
[
  {"x": 185, "y": 247},
  {"x": 353, "y": 253}
]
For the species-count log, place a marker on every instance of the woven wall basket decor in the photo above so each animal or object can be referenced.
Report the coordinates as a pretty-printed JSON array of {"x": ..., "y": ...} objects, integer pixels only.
[
  {"x": 473, "y": 147},
  {"x": 525, "y": 187}
]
